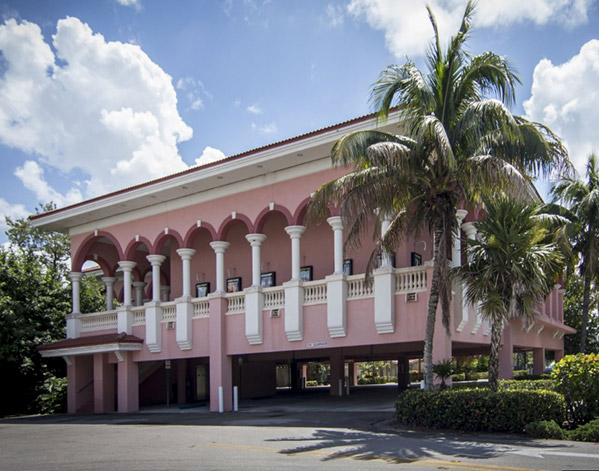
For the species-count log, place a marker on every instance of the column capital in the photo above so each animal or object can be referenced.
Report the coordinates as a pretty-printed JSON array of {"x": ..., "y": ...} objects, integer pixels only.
[
  {"x": 186, "y": 254},
  {"x": 470, "y": 229},
  {"x": 75, "y": 275},
  {"x": 336, "y": 223},
  {"x": 126, "y": 265},
  {"x": 255, "y": 240},
  {"x": 460, "y": 214},
  {"x": 155, "y": 259},
  {"x": 139, "y": 284},
  {"x": 108, "y": 280},
  {"x": 219, "y": 246},
  {"x": 295, "y": 232}
]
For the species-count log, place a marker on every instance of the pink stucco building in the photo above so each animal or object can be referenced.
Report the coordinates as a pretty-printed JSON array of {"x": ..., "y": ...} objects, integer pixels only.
[{"x": 218, "y": 275}]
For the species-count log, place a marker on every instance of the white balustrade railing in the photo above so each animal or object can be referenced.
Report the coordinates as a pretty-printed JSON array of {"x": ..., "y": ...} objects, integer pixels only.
[
  {"x": 139, "y": 315},
  {"x": 315, "y": 292},
  {"x": 201, "y": 308},
  {"x": 98, "y": 321},
  {"x": 169, "y": 311},
  {"x": 410, "y": 280},
  {"x": 274, "y": 297},
  {"x": 357, "y": 288},
  {"x": 235, "y": 302}
]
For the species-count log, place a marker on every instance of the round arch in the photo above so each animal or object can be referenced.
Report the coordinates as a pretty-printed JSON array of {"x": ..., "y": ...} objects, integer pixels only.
[
  {"x": 194, "y": 231},
  {"x": 229, "y": 221},
  {"x": 88, "y": 242},
  {"x": 267, "y": 211}
]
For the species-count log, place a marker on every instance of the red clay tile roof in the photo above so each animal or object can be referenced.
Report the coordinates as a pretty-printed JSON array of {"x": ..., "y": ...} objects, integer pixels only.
[{"x": 103, "y": 339}]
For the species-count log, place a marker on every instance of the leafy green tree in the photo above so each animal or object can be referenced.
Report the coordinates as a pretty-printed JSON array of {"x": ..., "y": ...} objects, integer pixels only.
[
  {"x": 510, "y": 268},
  {"x": 462, "y": 142},
  {"x": 573, "y": 308},
  {"x": 35, "y": 295},
  {"x": 581, "y": 198}
]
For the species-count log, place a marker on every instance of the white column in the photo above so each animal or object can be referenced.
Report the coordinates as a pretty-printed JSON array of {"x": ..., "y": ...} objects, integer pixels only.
[
  {"x": 109, "y": 282},
  {"x": 255, "y": 241},
  {"x": 127, "y": 267},
  {"x": 470, "y": 230},
  {"x": 219, "y": 247},
  {"x": 186, "y": 255},
  {"x": 456, "y": 250},
  {"x": 337, "y": 226},
  {"x": 295, "y": 233},
  {"x": 156, "y": 261},
  {"x": 75, "y": 277},
  {"x": 385, "y": 257},
  {"x": 139, "y": 292}
]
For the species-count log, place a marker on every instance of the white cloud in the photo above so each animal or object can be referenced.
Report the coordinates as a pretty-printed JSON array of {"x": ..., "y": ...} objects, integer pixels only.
[
  {"x": 32, "y": 177},
  {"x": 13, "y": 211},
  {"x": 130, "y": 3},
  {"x": 194, "y": 89},
  {"x": 335, "y": 15},
  {"x": 254, "y": 109},
  {"x": 270, "y": 128},
  {"x": 209, "y": 155},
  {"x": 101, "y": 107},
  {"x": 408, "y": 31},
  {"x": 565, "y": 98}
]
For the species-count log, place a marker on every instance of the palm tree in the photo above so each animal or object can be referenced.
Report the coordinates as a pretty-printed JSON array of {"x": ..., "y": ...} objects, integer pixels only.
[
  {"x": 459, "y": 146},
  {"x": 511, "y": 267},
  {"x": 582, "y": 201}
]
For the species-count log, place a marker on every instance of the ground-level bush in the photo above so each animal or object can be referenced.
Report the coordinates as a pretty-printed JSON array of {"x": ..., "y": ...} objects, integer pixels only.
[
  {"x": 479, "y": 409},
  {"x": 586, "y": 433},
  {"x": 545, "y": 429},
  {"x": 577, "y": 378}
]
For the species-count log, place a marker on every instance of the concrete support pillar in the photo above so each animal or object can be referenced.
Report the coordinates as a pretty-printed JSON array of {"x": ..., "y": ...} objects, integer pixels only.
[
  {"x": 385, "y": 257},
  {"x": 461, "y": 308},
  {"x": 139, "y": 292},
  {"x": 220, "y": 362},
  {"x": 295, "y": 233},
  {"x": 127, "y": 268},
  {"x": 337, "y": 226},
  {"x": 403, "y": 372},
  {"x": 181, "y": 381},
  {"x": 337, "y": 373},
  {"x": 80, "y": 388},
  {"x": 103, "y": 384},
  {"x": 506, "y": 355},
  {"x": 109, "y": 283},
  {"x": 304, "y": 375},
  {"x": 352, "y": 373},
  {"x": 294, "y": 310},
  {"x": 186, "y": 255},
  {"x": 384, "y": 300},
  {"x": 75, "y": 277},
  {"x": 254, "y": 305},
  {"x": 220, "y": 248},
  {"x": 538, "y": 361},
  {"x": 156, "y": 261},
  {"x": 255, "y": 241},
  {"x": 128, "y": 384}
]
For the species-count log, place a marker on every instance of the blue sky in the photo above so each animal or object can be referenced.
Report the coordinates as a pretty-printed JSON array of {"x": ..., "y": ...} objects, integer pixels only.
[{"x": 97, "y": 96}]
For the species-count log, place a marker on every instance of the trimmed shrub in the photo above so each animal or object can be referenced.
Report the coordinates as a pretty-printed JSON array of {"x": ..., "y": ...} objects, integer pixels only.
[
  {"x": 479, "y": 409},
  {"x": 577, "y": 378},
  {"x": 526, "y": 385},
  {"x": 586, "y": 433},
  {"x": 458, "y": 377},
  {"x": 545, "y": 429},
  {"x": 476, "y": 375}
]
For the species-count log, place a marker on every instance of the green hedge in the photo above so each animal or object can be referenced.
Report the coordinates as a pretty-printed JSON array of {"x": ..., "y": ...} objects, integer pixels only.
[
  {"x": 526, "y": 385},
  {"x": 377, "y": 380},
  {"x": 479, "y": 409},
  {"x": 549, "y": 429}
]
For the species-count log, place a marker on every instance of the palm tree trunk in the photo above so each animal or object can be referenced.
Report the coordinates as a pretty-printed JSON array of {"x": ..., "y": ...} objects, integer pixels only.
[
  {"x": 585, "y": 313},
  {"x": 431, "y": 315},
  {"x": 496, "y": 331}
]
